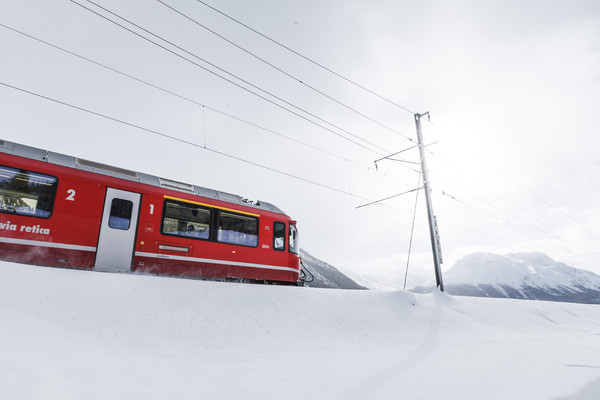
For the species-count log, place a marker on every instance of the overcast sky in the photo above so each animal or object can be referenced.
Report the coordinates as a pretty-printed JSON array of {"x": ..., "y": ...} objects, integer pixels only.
[{"x": 513, "y": 88}]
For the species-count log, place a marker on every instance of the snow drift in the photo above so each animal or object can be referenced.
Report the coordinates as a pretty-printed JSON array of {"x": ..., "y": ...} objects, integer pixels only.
[{"x": 69, "y": 334}]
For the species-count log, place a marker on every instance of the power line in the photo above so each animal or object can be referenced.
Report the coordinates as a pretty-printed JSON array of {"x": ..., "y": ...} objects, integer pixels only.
[
  {"x": 470, "y": 230},
  {"x": 535, "y": 195},
  {"x": 302, "y": 82},
  {"x": 341, "y": 191},
  {"x": 485, "y": 160},
  {"x": 412, "y": 232},
  {"x": 541, "y": 233},
  {"x": 389, "y": 197},
  {"x": 479, "y": 198},
  {"x": 527, "y": 232},
  {"x": 547, "y": 234},
  {"x": 273, "y": 132},
  {"x": 186, "y": 142},
  {"x": 307, "y": 59},
  {"x": 234, "y": 76}
]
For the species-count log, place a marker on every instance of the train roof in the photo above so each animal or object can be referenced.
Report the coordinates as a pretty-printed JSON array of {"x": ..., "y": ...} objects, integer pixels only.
[{"x": 109, "y": 170}]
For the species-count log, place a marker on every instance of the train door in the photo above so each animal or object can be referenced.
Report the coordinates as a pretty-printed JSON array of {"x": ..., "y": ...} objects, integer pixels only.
[{"x": 117, "y": 231}]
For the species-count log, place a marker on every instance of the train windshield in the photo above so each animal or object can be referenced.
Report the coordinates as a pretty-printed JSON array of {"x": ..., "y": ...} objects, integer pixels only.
[{"x": 294, "y": 246}]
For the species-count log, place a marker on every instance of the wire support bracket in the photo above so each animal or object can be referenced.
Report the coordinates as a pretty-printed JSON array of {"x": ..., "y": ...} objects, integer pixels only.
[{"x": 389, "y": 197}]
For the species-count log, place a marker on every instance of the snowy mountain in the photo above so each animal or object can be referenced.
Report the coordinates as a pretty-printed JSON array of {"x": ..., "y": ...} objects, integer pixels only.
[
  {"x": 532, "y": 276},
  {"x": 325, "y": 275}
]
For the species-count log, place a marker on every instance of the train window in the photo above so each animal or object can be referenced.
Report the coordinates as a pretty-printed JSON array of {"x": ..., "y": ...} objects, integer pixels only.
[
  {"x": 120, "y": 214},
  {"x": 26, "y": 193},
  {"x": 293, "y": 239},
  {"x": 186, "y": 219},
  {"x": 237, "y": 229},
  {"x": 279, "y": 236}
]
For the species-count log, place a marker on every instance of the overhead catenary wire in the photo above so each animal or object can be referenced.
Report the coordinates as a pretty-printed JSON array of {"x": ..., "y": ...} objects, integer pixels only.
[
  {"x": 273, "y": 102},
  {"x": 301, "y": 81},
  {"x": 189, "y": 143},
  {"x": 308, "y": 59},
  {"x": 550, "y": 205},
  {"x": 538, "y": 231},
  {"x": 540, "y": 198},
  {"x": 529, "y": 229},
  {"x": 412, "y": 231},
  {"x": 526, "y": 227},
  {"x": 380, "y": 201},
  {"x": 257, "y": 164},
  {"x": 204, "y": 106},
  {"x": 541, "y": 234},
  {"x": 466, "y": 147},
  {"x": 186, "y": 142}
]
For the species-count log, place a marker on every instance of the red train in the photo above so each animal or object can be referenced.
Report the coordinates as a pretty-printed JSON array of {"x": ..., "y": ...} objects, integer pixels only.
[{"x": 58, "y": 210}]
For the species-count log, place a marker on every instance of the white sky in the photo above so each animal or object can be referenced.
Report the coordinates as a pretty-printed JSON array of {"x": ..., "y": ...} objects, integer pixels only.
[{"x": 513, "y": 88}]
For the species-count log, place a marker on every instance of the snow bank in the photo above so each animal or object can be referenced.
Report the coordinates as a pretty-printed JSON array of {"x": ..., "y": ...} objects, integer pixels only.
[{"x": 76, "y": 334}]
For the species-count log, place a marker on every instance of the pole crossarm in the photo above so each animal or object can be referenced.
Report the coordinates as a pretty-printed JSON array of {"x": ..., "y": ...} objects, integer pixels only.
[
  {"x": 390, "y": 197},
  {"x": 389, "y": 157},
  {"x": 404, "y": 161},
  {"x": 396, "y": 153}
]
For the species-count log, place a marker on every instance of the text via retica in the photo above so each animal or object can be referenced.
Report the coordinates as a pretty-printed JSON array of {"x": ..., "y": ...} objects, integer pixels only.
[{"x": 8, "y": 226}]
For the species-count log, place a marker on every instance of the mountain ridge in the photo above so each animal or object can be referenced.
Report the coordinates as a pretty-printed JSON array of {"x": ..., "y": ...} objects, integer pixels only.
[
  {"x": 533, "y": 276},
  {"x": 326, "y": 275}
]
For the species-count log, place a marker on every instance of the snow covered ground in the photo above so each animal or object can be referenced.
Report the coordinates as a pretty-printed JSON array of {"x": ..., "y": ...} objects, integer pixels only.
[{"x": 69, "y": 334}]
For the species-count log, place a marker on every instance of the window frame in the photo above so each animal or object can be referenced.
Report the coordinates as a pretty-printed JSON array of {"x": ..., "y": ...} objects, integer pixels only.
[
  {"x": 239, "y": 214},
  {"x": 284, "y": 234},
  {"x": 129, "y": 210},
  {"x": 51, "y": 195},
  {"x": 215, "y": 213},
  {"x": 296, "y": 248},
  {"x": 187, "y": 203}
]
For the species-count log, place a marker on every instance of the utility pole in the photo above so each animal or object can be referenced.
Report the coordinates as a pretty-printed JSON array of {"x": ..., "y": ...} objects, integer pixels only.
[{"x": 433, "y": 229}]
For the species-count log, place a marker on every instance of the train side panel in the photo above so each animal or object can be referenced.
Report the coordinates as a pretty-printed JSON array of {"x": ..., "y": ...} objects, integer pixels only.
[
  {"x": 68, "y": 235},
  {"x": 207, "y": 257}
]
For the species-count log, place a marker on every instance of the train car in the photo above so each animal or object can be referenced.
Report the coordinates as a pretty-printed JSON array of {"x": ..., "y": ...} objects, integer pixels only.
[{"x": 58, "y": 210}]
